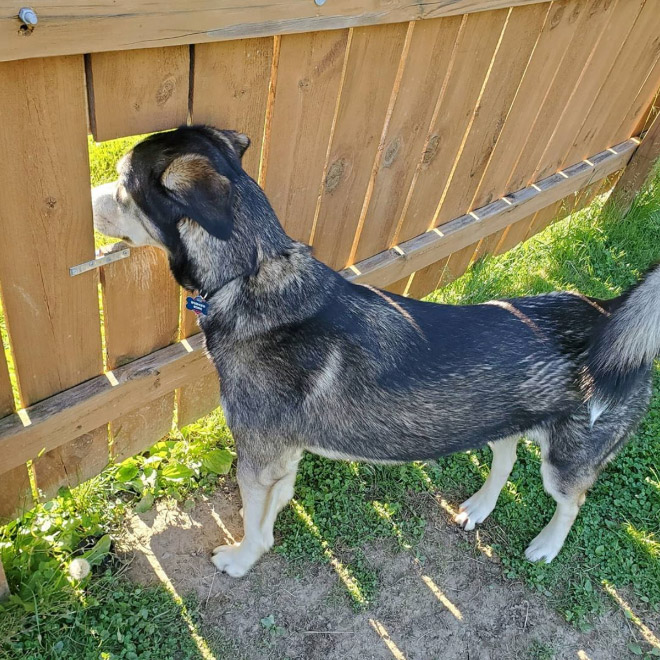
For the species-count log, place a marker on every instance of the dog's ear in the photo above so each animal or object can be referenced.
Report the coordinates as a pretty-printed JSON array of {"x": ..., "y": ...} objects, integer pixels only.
[
  {"x": 239, "y": 141},
  {"x": 203, "y": 194}
]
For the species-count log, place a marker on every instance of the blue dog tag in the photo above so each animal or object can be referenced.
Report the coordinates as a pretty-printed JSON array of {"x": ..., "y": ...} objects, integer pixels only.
[{"x": 197, "y": 305}]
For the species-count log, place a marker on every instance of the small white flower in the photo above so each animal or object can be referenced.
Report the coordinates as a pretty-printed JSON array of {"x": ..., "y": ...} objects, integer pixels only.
[{"x": 79, "y": 568}]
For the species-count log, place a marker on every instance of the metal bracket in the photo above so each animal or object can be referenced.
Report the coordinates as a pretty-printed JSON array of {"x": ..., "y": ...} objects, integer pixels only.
[{"x": 99, "y": 261}]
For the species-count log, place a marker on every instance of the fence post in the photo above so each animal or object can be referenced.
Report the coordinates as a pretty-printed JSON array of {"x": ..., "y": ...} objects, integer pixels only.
[
  {"x": 4, "y": 585},
  {"x": 638, "y": 169}
]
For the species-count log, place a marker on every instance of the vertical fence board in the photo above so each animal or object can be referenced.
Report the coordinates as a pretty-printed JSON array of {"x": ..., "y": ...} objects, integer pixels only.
[
  {"x": 202, "y": 396},
  {"x": 457, "y": 107},
  {"x": 53, "y": 317},
  {"x": 15, "y": 493},
  {"x": 6, "y": 394},
  {"x": 426, "y": 67},
  {"x": 520, "y": 36},
  {"x": 308, "y": 79},
  {"x": 138, "y": 91},
  {"x": 141, "y": 310},
  {"x": 550, "y": 49},
  {"x": 589, "y": 29},
  {"x": 372, "y": 64},
  {"x": 230, "y": 90},
  {"x": 595, "y": 76},
  {"x": 630, "y": 70},
  {"x": 427, "y": 279}
]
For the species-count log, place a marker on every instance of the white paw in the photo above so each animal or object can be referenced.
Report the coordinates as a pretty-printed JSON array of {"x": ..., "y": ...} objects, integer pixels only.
[
  {"x": 545, "y": 547},
  {"x": 233, "y": 559},
  {"x": 475, "y": 510}
]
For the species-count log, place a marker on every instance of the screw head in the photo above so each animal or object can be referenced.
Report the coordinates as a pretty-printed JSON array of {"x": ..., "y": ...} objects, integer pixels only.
[
  {"x": 319, "y": 3},
  {"x": 28, "y": 16}
]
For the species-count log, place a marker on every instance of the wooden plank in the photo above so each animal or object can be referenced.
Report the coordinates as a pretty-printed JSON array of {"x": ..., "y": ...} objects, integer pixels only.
[
  {"x": 201, "y": 396},
  {"x": 371, "y": 67},
  {"x": 15, "y": 493},
  {"x": 6, "y": 393},
  {"x": 630, "y": 70},
  {"x": 308, "y": 79},
  {"x": 513, "y": 235},
  {"x": 596, "y": 74},
  {"x": 638, "y": 169},
  {"x": 399, "y": 286},
  {"x": 647, "y": 92},
  {"x": 453, "y": 116},
  {"x": 87, "y": 406},
  {"x": 81, "y": 27},
  {"x": 138, "y": 91},
  {"x": 52, "y": 317},
  {"x": 230, "y": 90},
  {"x": 549, "y": 52},
  {"x": 427, "y": 63},
  {"x": 520, "y": 35},
  {"x": 427, "y": 279},
  {"x": 72, "y": 463},
  {"x": 431, "y": 246},
  {"x": 4, "y": 585},
  {"x": 138, "y": 322},
  {"x": 588, "y": 32}
]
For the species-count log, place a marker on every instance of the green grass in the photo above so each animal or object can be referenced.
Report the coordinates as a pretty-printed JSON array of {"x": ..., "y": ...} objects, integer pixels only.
[{"x": 340, "y": 507}]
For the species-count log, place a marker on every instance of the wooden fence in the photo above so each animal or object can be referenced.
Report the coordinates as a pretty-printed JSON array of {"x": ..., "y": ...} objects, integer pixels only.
[{"x": 401, "y": 149}]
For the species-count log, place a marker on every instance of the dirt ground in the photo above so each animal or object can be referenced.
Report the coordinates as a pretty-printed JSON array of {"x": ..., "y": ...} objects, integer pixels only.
[{"x": 454, "y": 605}]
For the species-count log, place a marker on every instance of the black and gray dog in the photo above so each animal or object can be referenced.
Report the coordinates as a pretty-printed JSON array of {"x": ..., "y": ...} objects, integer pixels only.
[{"x": 309, "y": 361}]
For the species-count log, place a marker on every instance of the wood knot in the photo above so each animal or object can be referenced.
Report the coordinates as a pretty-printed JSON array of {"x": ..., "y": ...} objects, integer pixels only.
[
  {"x": 165, "y": 91},
  {"x": 305, "y": 83},
  {"x": 431, "y": 149},
  {"x": 334, "y": 175},
  {"x": 391, "y": 152}
]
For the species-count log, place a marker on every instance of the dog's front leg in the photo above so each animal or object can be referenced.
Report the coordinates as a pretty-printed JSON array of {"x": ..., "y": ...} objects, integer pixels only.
[{"x": 236, "y": 560}]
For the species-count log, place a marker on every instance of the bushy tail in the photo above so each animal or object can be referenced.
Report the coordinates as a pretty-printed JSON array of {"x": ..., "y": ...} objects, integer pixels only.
[{"x": 626, "y": 343}]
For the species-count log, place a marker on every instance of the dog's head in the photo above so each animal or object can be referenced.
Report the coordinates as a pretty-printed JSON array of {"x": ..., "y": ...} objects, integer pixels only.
[{"x": 188, "y": 174}]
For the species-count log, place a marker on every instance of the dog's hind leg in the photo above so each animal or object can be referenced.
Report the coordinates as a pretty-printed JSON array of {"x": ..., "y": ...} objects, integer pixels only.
[
  {"x": 481, "y": 504},
  {"x": 265, "y": 486}
]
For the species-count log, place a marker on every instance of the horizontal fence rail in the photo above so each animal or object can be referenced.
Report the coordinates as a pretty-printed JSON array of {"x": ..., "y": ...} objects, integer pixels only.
[{"x": 401, "y": 149}]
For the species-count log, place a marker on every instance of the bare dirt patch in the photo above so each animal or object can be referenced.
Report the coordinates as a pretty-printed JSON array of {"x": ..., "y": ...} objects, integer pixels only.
[{"x": 452, "y": 604}]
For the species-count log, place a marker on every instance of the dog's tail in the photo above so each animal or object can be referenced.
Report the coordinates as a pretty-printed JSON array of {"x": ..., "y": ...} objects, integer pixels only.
[{"x": 625, "y": 344}]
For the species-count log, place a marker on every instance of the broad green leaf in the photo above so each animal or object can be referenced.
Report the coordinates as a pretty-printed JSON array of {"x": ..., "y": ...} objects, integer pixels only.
[
  {"x": 145, "y": 503},
  {"x": 127, "y": 471},
  {"x": 177, "y": 472},
  {"x": 218, "y": 461}
]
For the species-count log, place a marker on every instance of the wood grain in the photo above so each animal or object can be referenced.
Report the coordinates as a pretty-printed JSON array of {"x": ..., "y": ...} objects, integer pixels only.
[
  {"x": 549, "y": 52},
  {"x": 626, "y": 77},
  {"x": 518, "y": 40},
  {"x": 15, "y": 493},
  {"x": 588, "y": 32},
  {"x": 371, "y": 67},
  {"x": 230, "y": 90},
  {"x": 138, "y": 91},
  {"x": 595, "y": 75},
  {"x": 427, "y": 279},
  {"x": 638, "y": 170},
  {"x": 431, "y": 246},
  {"x": 81, "y": 27},
  {"x": 141, "y": 310},
  {"x": 308, "y": 78},
  {"x": 426, "y": 67},
  {"x": 53, "y": 318},
  {"x": 85, "y": 407},
  {"x": 454, "y": 115},
  {"x": 6, "y": 393}
]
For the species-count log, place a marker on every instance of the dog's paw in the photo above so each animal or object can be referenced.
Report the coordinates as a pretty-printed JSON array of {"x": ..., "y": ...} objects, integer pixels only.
[
  {"x": 474, "y": 511},
  {"x": 545, "y": 547},
  {"x": 233, "y": 559}
]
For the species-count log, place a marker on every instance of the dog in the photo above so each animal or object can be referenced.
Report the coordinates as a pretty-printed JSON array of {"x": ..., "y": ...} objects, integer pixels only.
[{"x": 311, "y": 362}]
